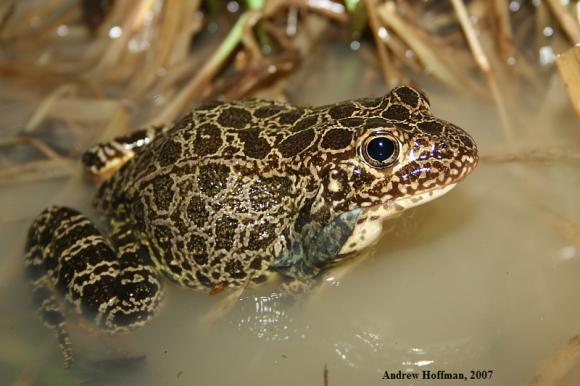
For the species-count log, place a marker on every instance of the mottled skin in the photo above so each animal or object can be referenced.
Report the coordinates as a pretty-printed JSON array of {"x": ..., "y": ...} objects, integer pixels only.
[{"x": 233, "y": 191}]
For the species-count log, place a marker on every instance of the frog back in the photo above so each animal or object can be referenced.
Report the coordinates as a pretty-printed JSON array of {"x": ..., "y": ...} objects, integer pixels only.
[{"x": 214, "y": 197}]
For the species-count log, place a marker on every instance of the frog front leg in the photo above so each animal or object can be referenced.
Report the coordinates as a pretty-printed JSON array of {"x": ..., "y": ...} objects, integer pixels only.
[
  {"x": 104, "y": 158},
  {"x": 69, "y": 263},
  {"x": 313, "y": 246}
]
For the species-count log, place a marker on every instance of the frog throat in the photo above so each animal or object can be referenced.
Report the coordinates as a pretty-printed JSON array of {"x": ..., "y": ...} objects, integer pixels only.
[{"x": 369, "y": 224}]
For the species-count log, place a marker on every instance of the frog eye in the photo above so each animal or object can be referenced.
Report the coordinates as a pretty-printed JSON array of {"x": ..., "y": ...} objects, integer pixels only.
[{"x": 380, "y": 151}]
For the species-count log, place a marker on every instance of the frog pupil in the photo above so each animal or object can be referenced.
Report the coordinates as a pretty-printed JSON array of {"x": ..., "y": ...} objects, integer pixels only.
[{"x": 381, "y": 149}]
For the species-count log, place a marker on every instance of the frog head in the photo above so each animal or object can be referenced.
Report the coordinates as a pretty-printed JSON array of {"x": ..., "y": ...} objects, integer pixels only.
[{"x": 389, "y": 155}]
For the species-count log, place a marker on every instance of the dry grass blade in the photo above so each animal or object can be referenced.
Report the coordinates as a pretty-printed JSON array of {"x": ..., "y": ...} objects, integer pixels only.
[
  {"x": 556, "y": 367},
  {"x": 161, "y": 47},
  {"x": 132, "y": 17},
  {"x": 44, "y": 107},
  {"x": 251, "y": 77},
  {"x": 330, "y": 9},
  {"x": 191, "y": 24},
  {"x": 38, "y": 171},
  {"x": 6, "y": 12},
  {"x": 569, "y": 68},
  {"x": 42, "y": 147},
  {"x": 20, "y": 28},
  {"x": 391, "y": 76},
  {"x": 119, "y": 124},
  {"x": 483, "y": 63},
  {"x": 569, "y": 25},
  {"x": 426, "y": 53},
  {"x": 91, "y": 111},
  {"x": 503, "y": 32},
  {"x": 208, "y": 70},
  {"x": 168, "y": 44}
]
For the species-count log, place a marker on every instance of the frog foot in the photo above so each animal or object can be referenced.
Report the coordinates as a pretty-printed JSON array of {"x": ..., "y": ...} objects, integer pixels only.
[{"x": 105, "y": 158}]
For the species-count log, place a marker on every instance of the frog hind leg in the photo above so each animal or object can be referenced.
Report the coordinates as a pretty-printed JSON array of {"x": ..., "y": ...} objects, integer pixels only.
[
  {"x": 104, "y": 158},
  {"x": 69, "y": 263}
]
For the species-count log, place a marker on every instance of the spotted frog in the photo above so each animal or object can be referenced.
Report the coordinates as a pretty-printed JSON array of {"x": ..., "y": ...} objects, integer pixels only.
[{"x": 234, "y": 191}]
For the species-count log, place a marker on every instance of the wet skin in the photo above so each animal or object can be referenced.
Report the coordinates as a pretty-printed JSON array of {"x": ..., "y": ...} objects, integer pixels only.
[{"x": 235, "y": 191}]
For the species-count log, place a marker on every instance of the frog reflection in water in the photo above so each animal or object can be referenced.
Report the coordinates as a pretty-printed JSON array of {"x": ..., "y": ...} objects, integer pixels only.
[{"x": 234, "y": 191}]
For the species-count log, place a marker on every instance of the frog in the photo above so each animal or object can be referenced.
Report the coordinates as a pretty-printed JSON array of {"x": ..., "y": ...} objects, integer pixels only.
[{"x": 234, "y": 192}]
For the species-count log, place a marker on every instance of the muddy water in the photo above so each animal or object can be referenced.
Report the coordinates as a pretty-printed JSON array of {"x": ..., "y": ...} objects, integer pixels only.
[{"x": 483, "y": 279}]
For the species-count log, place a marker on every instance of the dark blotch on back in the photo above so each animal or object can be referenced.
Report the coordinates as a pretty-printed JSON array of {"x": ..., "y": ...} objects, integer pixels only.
[
  {"x": 138, "y": 214},
  {"x": 169, "y": 153},
  {"x": 254, "y": 146},
  {"x": 336, "y": 139},
  {"x": 197, "y": 249},
  {"x": 183, "y": 122},
  {"x": 296, "y": 143},
  {"x": 164, "y": 237},
  {"x": 431, "y": 127},
  {"x": 212, "y": 179},
  {"x": 207, "y": 139},
  {"x": 370, "y": 102},
  {"x": 305, "y": 123},
  {"x": 235, "y": 269},
  {"x": 163, "y": 194},
  {"x": 234, "y": 117},
  {"x": 408, "y": 96},
  {"x": 225, "y": 232},
  {"x": 267, "y": 111},
  {"x": 261, "y": 236},
  {"x": 396, "y": 113},
  {"x": 268, "y": 192},
  {"x": 352, "y": 122},
  {"x": 290, "y": 117},
  {"x": 342, "y": 110},
  {"x": 196, "y": 211},
  {"x": 201, "y": 258}
]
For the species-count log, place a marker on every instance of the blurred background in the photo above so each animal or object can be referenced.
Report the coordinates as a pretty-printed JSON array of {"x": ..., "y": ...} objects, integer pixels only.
[{"x": 485, "y": 278}]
